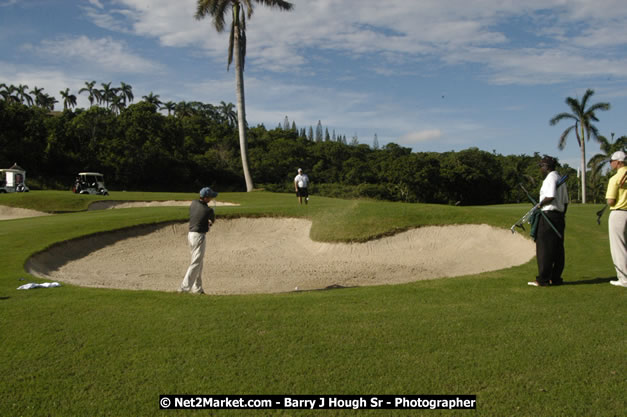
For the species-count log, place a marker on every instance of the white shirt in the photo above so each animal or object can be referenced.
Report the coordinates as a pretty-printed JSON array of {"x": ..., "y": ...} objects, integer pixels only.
[
  {"x": 550, "y": 189},
  {"x": 302, "y": 180}
]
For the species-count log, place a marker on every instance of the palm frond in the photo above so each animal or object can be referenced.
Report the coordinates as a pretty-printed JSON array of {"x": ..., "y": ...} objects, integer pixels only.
[
  {"x": 562, "y": 142},
  {"x": 597, "y": 162},
  {"x": 281, "y": 4},
  {"x": 575, "y": 106},
  {"x": 620, "y": 144},
  {"x": 214, "y": 8},
  {"x": 556, "y": 119},
  {"x": 218, "y": 9},
  {"x": 595, "y": 132},
  {"x": 591, "y": 116},
  {"x": 599, "y": 106},
  {"x": 249, "y": 8},
  {"x": 604, "y": 143},
  {"x": 589, "y": 92}
]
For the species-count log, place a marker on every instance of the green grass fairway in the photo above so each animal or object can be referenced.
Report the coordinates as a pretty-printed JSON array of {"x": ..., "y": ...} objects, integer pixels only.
[{"x": 523, "y": 351}]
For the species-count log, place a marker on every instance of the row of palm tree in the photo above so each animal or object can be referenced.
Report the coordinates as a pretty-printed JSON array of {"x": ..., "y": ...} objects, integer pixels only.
[
  {"x": 116, "y": 100},
  {"x": 20, "y": 94},
  {"x": 113, "y": 98}
]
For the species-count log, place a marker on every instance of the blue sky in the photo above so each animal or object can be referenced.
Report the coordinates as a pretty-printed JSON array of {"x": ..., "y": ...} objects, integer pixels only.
[{"x": 433, "y": 75}]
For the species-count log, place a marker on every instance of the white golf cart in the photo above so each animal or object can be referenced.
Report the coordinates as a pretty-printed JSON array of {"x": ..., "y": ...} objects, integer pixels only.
[
  {"x": 90, "y": 183},
  {"x": 12, "y": 180}
]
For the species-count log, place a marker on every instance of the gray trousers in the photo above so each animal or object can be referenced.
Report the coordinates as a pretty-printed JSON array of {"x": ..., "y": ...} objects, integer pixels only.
[
  {"x": 193, "y": 278},
  {"x": 618, "y": 241}
]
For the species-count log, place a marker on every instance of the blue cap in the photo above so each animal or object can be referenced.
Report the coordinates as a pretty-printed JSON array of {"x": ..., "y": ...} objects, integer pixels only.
[{"x": 208, "y": 192}]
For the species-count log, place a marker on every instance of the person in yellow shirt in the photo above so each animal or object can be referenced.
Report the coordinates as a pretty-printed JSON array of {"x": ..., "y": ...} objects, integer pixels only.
[{"x": 616, "y": 197}]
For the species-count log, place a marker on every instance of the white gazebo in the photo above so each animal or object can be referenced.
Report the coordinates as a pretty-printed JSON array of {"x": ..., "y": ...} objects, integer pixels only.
[{"x": 13, "y": 179}]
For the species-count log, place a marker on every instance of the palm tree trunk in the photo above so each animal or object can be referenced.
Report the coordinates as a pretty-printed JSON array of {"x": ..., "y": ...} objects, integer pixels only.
[
  {"x": 583, "y": 166},
  {"x": 241, "y": 107}
]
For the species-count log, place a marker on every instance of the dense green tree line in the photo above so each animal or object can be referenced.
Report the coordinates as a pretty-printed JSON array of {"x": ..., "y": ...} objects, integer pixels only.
[{"x": 139, "y": 148}]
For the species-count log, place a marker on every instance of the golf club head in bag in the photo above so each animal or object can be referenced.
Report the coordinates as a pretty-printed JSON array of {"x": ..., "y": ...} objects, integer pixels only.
[{"x": 524, "y": 219}]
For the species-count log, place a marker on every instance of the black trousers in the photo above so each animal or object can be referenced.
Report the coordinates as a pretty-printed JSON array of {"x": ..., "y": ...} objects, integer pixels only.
[{"x": 550, "y": 248}]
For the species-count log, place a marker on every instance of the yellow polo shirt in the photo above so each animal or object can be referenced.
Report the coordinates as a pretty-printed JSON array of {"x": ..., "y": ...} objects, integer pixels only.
[{"x": 617, "y": 193}]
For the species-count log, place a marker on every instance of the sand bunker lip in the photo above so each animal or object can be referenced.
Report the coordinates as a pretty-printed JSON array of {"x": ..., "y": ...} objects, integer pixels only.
[
  {"x": 113, "y": 204},
  {"x": 9, "y": 213},
  {"x": 270, "y": 255}
]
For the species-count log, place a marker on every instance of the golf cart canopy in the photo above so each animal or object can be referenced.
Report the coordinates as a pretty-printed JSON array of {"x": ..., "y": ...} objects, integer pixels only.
[{"x": 92, "y": 175}]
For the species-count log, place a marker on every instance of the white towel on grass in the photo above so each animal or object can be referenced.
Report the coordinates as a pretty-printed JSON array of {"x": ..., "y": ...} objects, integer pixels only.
[{"x": 33, "y": 285}]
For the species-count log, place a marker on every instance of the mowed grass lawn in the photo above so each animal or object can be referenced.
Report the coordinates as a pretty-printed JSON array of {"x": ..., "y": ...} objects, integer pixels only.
[{"x": 522, "y": 351}]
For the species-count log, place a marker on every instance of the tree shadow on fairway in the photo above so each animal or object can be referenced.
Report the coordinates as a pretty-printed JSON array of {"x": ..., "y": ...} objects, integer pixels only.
[{"x": 590, "y": 281}]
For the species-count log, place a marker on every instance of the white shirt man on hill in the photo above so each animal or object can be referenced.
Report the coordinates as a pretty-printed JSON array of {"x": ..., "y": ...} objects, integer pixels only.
[{"x": 301, "y": 182}]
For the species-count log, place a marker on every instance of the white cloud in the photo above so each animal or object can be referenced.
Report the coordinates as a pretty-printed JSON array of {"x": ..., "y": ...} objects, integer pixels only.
[
  {"x": 452, "y": 31},
  {"x": 105, "y": 54},
  {"x": 50, "y": 79},
  {"x": 530, "y": 66},
  {"x": 414, "y": 138},
  {"x": 96, "y": 3}
]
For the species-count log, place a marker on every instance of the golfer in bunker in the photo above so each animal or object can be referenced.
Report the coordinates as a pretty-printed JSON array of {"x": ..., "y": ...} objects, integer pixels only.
[{"x": 201, "y": 217}]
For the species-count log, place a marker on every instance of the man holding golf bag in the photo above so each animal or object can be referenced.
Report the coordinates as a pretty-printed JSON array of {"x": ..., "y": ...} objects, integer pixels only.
[
  {"x": 553, "y": 204},
  {"x": 616, "y": 197}
]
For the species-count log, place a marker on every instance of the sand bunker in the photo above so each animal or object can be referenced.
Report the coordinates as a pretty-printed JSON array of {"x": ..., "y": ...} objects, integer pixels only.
[
  {"x": 8, "y": 213},
  {"x": 247, "y": 256},
  {"x": 112, "y": 204}
]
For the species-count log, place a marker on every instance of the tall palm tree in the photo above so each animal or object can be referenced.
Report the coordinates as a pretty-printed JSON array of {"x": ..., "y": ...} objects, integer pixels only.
[
  {"x": 91, "y": 91},
  {"x": 218, "y": 10},
  {"x": 117, "y": 104},
  {"x": 210, "y": 111},
  {"x": 48, "y": 102},
  {"x": 23, "y": 96},
  {"x": 228, "y": 113},
  {"x": 38, "y": 94},
  {"x": 183, "y": 109},
  {"x": 126, "y": 92},
  {"x": 107, "y": 93},
  {"x": 152, "y": 99},
  {"x": 8, "y": 94},
  {"x": 196, "y": 106},
  {"x": 169, "y": 106},
  {"x": 69, "y": 100},
  {"x": 583, "y": 117}
]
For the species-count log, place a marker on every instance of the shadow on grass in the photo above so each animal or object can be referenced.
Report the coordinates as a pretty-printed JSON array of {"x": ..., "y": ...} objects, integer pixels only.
[{"x": 590, "y": 281}]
